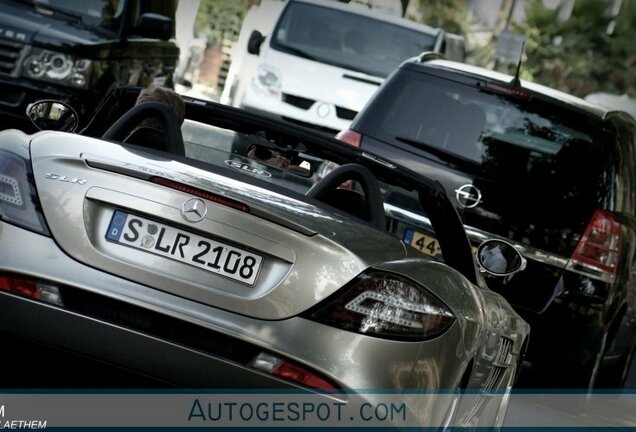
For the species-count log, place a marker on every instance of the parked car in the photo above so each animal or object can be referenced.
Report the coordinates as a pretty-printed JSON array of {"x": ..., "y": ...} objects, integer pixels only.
[
  {"x": 217, "y": 270},
  {"x": 78, "y": 51},
  {"x": 544, "y": 170},
  {"x": 320, "y": 61}
]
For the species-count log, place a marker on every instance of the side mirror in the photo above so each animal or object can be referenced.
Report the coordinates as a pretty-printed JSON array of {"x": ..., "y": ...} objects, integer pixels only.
[
  {"x": 254, "y": 43},
  {"x": 155, "y": 26},
  {"x": 500, "y": 258},
  {"x": 53, "y": 115}
]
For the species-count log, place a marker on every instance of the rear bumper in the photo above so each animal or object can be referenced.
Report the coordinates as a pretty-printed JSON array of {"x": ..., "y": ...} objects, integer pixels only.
[{"x": 160, "y": 359}]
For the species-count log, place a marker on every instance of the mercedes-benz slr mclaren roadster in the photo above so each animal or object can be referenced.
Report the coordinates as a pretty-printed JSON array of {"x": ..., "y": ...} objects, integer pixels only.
[{"x": 235, "y": 251}]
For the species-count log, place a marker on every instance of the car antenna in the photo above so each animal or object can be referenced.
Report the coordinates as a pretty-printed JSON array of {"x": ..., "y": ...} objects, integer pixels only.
[{"x": 516, "y": 82}]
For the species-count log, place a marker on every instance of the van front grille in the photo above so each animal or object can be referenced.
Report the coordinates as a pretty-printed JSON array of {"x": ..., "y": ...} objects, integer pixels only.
[
  {"x": 345, "y": 113},
  {"x": 297, "y": 101}
]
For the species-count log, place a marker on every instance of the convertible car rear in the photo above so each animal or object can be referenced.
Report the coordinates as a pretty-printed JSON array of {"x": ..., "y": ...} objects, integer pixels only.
[{"x": 211, "y": 269}]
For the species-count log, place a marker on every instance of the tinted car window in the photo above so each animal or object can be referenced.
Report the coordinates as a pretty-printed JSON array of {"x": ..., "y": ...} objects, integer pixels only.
[{"x": 499, "y": 136}]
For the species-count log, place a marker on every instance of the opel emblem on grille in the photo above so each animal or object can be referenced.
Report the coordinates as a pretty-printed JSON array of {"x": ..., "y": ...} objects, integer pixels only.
[
  {"x": 194, "y": 210},
  {"x": 468, "y": 196}
]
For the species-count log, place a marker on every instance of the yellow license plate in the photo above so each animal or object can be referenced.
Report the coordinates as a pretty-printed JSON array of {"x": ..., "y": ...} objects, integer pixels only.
[{"x": 425, "y": 243}]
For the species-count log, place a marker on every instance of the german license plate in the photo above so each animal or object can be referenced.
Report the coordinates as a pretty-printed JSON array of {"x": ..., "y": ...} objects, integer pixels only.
[
  {"x": 423, "y": 242},
  {"x": 213, "y": 256}
]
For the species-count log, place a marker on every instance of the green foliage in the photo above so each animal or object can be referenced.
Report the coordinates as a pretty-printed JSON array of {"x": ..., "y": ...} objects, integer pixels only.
[
  {"x": 451, "y": 15},
  {"x": 454, "y": 16},
  {"x": 220, "y": 19},
  {"x": 578, "y": 55}
]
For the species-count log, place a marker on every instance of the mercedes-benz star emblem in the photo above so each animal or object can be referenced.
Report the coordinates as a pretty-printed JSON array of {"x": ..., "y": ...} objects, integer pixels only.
[
  {"x": 468, "y": 196},
  {"x": 194, "y": 210}
]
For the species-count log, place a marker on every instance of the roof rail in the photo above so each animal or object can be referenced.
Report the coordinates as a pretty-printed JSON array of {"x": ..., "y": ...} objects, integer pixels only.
[{"x": 430, "y": 55}]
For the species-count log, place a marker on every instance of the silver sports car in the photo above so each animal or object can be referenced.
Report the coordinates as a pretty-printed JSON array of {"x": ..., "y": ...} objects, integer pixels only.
[{"x": 239, "y": 252}]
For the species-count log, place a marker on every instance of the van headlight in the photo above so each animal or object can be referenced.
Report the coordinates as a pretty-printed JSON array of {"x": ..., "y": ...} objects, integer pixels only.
[
  {"x": 57, "y": 68},
  {"x": 268, "y": 80}
]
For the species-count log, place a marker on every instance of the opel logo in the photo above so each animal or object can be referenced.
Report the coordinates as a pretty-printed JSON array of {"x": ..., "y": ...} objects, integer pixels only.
[
  {"x": 194, "y": 210},
  {"x": 468, "y": 196}
]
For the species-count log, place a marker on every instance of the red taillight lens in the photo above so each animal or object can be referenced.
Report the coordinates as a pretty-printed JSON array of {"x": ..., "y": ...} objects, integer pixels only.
[
  {"x": 349, "y": 136},
  {"x": 295, "y": 373},
  {"x": 285, "y": 369},
  {"x": 600, "y": 245},
  {"x": 27, "y": 287},
  {"x": 20, "y": 286}
]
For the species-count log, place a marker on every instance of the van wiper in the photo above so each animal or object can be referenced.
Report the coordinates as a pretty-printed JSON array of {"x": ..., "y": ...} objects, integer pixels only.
[
  {"x": 297, "y": 51},
  {"x": 441, "y": 154}
]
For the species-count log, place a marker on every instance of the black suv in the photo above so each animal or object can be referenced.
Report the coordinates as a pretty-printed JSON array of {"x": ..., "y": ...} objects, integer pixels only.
[
  {"x": 548, "y": 172},
  {"x": 78, "y": 51}
]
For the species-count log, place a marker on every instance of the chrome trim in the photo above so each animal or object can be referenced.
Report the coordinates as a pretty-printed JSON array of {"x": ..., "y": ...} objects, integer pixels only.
[
  {"x": 476, "y": 235},
  {"x": 590, "y": 272},
  {"x": 414, "y": 218},
  {"x": 378, "y": 160}
]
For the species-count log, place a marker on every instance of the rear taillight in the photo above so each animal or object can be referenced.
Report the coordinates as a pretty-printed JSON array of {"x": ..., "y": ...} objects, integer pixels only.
[
  {"x": 388, "y": 306},
  {"x": 291, "y": 371},
  {"x": 351, "y": 137},
  {"x": 600, "y": 246},
  {"x": 18, "y": 200}
]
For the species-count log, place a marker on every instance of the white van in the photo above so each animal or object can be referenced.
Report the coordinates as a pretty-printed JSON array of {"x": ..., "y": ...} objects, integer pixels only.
[{"x": 323, "y": 60}]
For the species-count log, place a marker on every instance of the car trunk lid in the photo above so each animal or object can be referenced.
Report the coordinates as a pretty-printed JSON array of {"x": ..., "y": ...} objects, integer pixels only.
[{"x": 299, "y": 253}]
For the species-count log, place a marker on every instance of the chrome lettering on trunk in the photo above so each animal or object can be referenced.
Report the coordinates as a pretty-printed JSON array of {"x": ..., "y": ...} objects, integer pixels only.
[{"x": 66, "y": 179}]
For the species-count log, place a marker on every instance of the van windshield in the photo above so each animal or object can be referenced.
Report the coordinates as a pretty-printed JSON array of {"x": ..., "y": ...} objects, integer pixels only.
[{"x": 348, "y": 40}]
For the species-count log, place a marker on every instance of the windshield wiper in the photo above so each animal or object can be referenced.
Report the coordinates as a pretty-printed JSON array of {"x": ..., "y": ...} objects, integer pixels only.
[
  {"x": 441, "y": 154},
  {"x": 304, "y": 54},
  {"x": 299, "y": 52}
]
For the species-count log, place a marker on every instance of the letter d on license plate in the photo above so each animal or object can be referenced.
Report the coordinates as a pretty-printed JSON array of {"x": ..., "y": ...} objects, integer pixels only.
[{"x": 183, "y": 246}]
